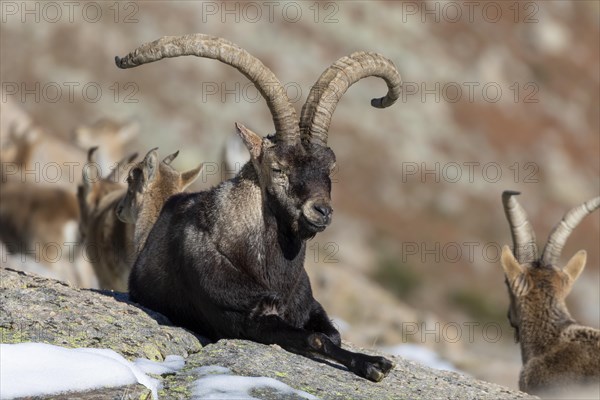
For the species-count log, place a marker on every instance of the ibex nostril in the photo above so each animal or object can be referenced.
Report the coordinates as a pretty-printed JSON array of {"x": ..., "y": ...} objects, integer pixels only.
[{"x": 322, "y": 209}]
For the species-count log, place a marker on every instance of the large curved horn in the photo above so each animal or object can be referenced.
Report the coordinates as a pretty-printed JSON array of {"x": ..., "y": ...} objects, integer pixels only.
[
  {"x": 523, "y": 236},
  {"x": 333, "y": 83},
  {"x": 284, "y": 115},
  {"x": 559, "y": 235}
]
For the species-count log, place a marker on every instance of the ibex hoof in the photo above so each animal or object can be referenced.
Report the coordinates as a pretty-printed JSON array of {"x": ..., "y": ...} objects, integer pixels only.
[{"x": 375, "y": 368}]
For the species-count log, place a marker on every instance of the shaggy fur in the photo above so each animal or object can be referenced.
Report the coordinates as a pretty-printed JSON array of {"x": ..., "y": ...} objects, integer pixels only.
[
  {"x": 108, "y": 241},
  {"x": 230, "y": 260},
  {"x": 149, "y": 184},
  {"x": 556, "y": 350}
]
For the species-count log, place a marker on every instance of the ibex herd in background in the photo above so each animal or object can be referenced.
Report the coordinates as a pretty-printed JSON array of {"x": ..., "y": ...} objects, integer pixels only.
[
  {"x": 108, "y": 241},
  {"x": 38, "y": 218},
  {"x": 229, "y": 262}
]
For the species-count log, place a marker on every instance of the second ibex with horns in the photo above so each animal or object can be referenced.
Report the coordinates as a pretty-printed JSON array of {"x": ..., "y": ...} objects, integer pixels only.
[
  {"x": 229, "y": 262},
  {"x": 556, "y": 351}
]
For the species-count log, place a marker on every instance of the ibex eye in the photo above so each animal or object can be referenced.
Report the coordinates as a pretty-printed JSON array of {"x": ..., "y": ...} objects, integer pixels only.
[{"x": 276, "y": 170}]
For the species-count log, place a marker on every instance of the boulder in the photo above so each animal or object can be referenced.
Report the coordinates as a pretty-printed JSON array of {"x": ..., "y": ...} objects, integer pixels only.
[{"x": 35, "y": 309}]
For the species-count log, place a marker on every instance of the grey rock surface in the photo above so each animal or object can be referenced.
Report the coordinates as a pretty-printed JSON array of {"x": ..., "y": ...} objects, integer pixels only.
[
  {"x": 35, "y": 309},
  {"x": 43, "y": 310}
]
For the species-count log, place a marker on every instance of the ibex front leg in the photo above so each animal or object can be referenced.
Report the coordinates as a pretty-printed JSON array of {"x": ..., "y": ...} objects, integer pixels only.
[
  {"x": 271, "y": 329},
  {"x": 319, "y": 322}
]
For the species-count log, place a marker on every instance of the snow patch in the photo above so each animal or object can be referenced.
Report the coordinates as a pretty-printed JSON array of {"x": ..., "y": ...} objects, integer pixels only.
[
  {"x": 35, "y": 369},
  {"x": 421, "y": 355},
  {"x": 171, "y": 365},
  {"x": 216, "y": 382}
]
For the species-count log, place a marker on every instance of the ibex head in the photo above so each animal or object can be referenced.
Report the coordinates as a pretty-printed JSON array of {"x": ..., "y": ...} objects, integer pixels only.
[
  {"x": 20, "y": 145},
  {"x": 112, "y": 135},
  {"x": 95, "y": 189},
  {"x": 154, "y": 181},
  {"x": 293, "y": 165},
  {"x": 533, "y": 281},
  {"x": 294, "y": 178}
]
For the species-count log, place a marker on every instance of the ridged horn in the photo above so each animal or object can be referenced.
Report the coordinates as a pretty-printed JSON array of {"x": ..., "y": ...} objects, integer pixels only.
[
  {"x": 200, "y": 45},
  {"x": 523, "y": 236},
  {"x": 333, "y": 83},
  {"x": 561, "y": 232}
]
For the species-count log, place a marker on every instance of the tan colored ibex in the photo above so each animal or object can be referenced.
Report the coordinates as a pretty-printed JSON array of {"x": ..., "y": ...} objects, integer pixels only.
[
  {"x": 16, "y": 153},
  {"x": 37, "y": 156},
  {"x": 40, "y": 223},
  {"x": 107, "y": 240},
  {"x": 150, "y": 184},
  {"x": 556, "y": 351}
]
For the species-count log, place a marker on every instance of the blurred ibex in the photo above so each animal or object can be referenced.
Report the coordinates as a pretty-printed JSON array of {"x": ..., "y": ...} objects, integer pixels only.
[
  {"x": 229, "y": 262},
  {"x": 149, "y": 184},
  {"x": 16, "y": 152},
  {"x": 108, "y": 241},
  {"x": 556, "y": 351},
  {"x": 39, "y": 216},
  {"x": 38, "y": 156},
  {"x": 38, "y": 223}
]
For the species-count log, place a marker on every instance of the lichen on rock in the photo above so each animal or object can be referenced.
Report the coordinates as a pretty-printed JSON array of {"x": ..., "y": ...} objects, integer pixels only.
[{"x": 43, "y": 310}]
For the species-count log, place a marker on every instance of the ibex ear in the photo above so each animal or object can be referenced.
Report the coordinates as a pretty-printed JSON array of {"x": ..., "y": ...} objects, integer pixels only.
[
  {"x": 188, "y": 177},
  {"x": 87, "y": 179},
  {"x": 128, "y": 131},
  {"x": 151, "y": 164},
  {"x": 252, "y": 140},
  {"x": 169, "y": 159},
  {"x": 511, "y": 266},
  {"x": 82, "y": 135},
  {"x": 91, "y": 171},
  {"x": 31, "y": 135},
  {"x": 121, "y": 166},
  {"x": 575, "y": 265}
]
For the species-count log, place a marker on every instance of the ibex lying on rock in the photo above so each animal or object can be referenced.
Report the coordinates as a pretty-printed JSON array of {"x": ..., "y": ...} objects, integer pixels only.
[
  {"x": 150, "y": 184},
  {"x": 107, "y": 240},
  {"x": 556, "y": 351},
  {"x": 229, "y": 262}
]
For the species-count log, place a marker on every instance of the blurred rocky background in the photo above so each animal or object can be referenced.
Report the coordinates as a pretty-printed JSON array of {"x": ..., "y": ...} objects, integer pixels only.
[{"x": 497, "y": 95}]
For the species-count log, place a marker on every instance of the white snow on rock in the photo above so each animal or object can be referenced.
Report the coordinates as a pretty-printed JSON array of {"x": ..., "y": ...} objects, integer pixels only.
[
  {"x": 420, "y": 354},
  {"x": 217, "y": 382},
  {"x": 34, "y": 369},
  {"x": 171, "y": 365}
]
